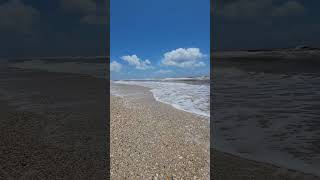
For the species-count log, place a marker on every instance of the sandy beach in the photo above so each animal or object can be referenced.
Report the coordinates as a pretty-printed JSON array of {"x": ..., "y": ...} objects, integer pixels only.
[
  {"x": 52, "y": 125},
  {"x": 150, "y": 139}
]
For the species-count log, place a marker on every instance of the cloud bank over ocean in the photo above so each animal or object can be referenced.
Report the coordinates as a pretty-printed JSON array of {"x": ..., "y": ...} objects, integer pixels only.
[{"x": 175, "y": 62}]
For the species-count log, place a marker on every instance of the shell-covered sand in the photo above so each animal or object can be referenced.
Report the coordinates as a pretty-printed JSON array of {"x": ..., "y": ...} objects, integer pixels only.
[
  {"x": 52, "y": 126},
  {"x": 151, "y": 140}
]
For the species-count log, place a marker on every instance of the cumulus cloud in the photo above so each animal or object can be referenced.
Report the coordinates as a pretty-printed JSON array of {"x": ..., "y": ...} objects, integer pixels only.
[
  {"x": 246, "y": 9},
  {"x": 133, "y": 60},
  {"x": 115, "y": 66},
  {"x": 17, "y": 16},
  {"x": 184, "y": 58}
]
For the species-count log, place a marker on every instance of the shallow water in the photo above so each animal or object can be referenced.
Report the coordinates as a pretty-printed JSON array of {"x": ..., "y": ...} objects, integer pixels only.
[
  {"x": 272, "y": 117},
  {"x": 184, "y": 96}
]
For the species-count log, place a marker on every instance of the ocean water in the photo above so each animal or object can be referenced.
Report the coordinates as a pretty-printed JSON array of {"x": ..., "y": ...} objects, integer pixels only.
[
  {"x": 191, "y": 96},
  {"x": 270, "y": 115}
]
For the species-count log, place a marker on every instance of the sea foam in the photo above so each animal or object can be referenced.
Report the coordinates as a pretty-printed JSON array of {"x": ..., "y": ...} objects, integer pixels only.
[{"x": 187, "y": 97}]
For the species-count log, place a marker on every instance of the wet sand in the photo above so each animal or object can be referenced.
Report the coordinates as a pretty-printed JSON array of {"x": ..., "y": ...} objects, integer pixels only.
[
  {"x": 225, "y": 166},
  {"x": 150, "y": 139}
]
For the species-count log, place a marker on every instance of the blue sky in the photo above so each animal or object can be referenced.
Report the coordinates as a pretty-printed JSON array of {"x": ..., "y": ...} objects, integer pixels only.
[{"x": 152, "y": 38}]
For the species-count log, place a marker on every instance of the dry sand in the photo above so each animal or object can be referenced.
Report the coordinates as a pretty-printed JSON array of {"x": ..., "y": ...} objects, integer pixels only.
[{"x": 150, "y": 139}]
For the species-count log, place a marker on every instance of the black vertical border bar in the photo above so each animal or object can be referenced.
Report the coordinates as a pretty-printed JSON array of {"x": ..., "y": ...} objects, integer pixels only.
[
  {"x": 108, "y": 89},
  {"x": 211, "y": 85}
]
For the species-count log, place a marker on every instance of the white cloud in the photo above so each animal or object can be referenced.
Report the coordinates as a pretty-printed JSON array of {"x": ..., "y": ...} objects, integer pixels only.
[
  {"x": 184, "y": 58},
  {"x": 161, "y": 71},
  {"x": 137, "y": 62},
  {"x": 115, "y": 66}
]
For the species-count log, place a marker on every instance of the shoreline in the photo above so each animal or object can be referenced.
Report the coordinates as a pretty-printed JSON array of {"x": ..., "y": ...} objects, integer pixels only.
[
  {"x": 224, "y": 163},
  {"x": 277, "y": 131},
  {"x": 151, "y": 139},
  {"x": 172, "y": 98},
  {"x": 283, "y": 164}
]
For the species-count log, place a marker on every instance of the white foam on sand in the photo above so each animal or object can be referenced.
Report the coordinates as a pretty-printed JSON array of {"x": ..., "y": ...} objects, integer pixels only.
[{"x": 187, "y": 97}]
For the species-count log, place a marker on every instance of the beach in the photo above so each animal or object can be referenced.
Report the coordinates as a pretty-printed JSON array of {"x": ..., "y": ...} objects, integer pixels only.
[
  {"x": 150, "y": 139},
  {"x": 226, "y": 166},
  {"x": 52, "y": 133},
  {"x": 53, "y": 125}
]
